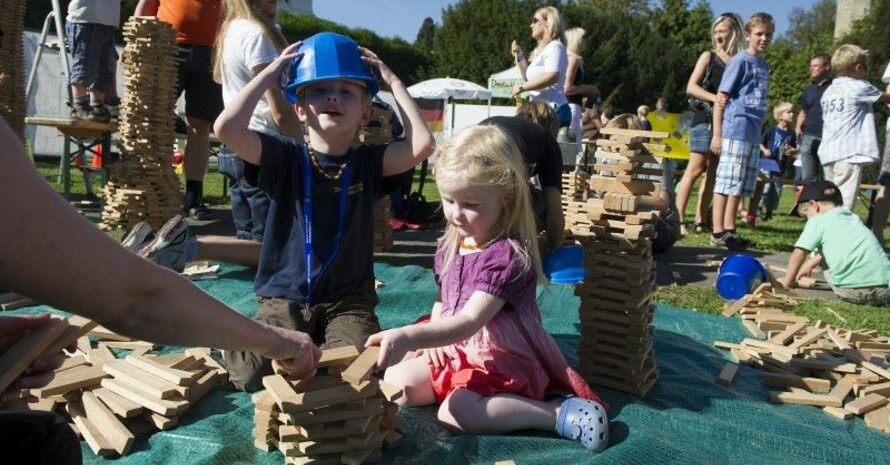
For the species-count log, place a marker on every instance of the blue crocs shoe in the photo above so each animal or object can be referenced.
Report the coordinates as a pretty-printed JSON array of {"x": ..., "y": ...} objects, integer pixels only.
[{"x": 584, "y": 421}]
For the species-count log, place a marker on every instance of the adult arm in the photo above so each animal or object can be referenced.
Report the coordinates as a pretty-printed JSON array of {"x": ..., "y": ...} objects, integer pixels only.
[
  {"x": 395, "y": 343},
  {"x": 93, "y": 276},
  {"x": 571, "y": 70},
  {"x": 418, "y": 144},
  {"x": 232, "y": 124},
  {"x": 521, "y": 60},
  {"x": 693, "y": 86},
  {"x": 147, "y": 8},
  {"x": 801, "y": 119}
]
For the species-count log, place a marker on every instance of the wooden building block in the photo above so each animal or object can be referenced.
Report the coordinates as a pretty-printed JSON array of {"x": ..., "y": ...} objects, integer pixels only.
[
  {"x": 727, "y": 374},
  {"x": 876, "y": 369},
  {"x": 161, "y": 422},
  {"x": 838, "y": 413},
  {"x": 77, "y": 327},
  {"x": 339, "y": 356},
  {"x": 362, "y": 367},
  {"x": 120, "y": 405},
  {"x": 804, "y": 398},
  {"x": 100, "y": 355},
  {"x": 120, "y": 438},
  {"x": 146, "y": 382},
  {"x": 173, "y": 375},
  {"x": 71, "y": 362},
  {"x": 842, "y": 389},
  {"x": 753, "y": 329},
  {"x": 779, "y": 380},
  {"x": 204, "y": 353},
  {"x": 70, "y": 380},
  {"x": 103, "y": 333},
  {"x": 789, "y": 333},
  {"x": 731, "y": 308},
  {"x": 866, "y": 404},
  {"x": 90, "y": 433},
  {"x": 282, "y": 392},
  {"x": 129, "y": 345},
  {"x": 168, "y": 407},
  {"x": 16, "y": 359},
  {"x": 389, "y": 391},
  {"x": 809, "y": 338}
]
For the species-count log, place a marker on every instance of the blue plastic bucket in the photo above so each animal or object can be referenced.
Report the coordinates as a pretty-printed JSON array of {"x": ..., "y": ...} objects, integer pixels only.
[
  {"x": 327, "y": 56},
  {"x": 564, "y": 265},
  {"x": 739, "y": 275}
]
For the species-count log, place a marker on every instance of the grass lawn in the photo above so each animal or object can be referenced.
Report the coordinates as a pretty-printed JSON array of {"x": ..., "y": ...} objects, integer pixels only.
[{"x": 776, "y": 235}]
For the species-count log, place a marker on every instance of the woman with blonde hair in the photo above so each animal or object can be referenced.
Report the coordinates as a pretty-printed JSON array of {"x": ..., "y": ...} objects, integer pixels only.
[
  {"x": 247, "y": 42},
  {"x": 545, "y": 70},
  {"x": 727, "y": 36}
]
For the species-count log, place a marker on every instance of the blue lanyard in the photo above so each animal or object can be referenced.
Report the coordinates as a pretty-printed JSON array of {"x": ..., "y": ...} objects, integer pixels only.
[{"x": 307, "y": 219}]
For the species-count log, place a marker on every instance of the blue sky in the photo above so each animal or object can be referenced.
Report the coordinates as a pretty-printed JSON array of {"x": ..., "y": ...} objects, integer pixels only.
[{"x": 402, "y": 18}]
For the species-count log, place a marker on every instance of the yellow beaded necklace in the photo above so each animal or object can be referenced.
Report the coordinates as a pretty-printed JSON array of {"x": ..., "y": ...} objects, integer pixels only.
[{"x": 313, "y": 157}]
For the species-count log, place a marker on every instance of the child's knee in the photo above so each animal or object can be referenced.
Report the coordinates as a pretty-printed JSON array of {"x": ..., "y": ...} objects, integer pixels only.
[
  {"x": 458, "y": 411},
  {"x": 247, "y": 369}
]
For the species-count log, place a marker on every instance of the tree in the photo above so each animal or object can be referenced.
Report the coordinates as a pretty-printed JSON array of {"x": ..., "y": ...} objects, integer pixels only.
[
  {"x": 474, "y": 40},
  {"x": 426, "y": 34}
]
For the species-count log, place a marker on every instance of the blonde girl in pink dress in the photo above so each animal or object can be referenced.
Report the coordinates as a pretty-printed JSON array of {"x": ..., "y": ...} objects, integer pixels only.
[{"x": 484, "y": 355}]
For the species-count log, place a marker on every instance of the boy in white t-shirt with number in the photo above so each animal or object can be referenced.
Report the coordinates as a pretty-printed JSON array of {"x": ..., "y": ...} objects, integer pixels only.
[{"x": 849, "y": 137}]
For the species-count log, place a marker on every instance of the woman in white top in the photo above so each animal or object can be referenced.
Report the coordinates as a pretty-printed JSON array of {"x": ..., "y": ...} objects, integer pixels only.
[
  {"x": 545, "y": 73},
  {"x": 247, "y": 42}
]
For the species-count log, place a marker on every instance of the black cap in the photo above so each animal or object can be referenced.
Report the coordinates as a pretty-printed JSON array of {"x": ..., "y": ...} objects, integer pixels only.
[{"x": 818, "y": 191}]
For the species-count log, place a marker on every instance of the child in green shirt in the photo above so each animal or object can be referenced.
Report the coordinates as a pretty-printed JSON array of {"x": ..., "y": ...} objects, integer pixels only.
[{"x": 853, "y": 261}]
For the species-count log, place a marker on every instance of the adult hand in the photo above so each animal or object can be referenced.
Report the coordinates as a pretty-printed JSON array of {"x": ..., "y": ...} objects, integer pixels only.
[
  {"x": 393, "y": 346},
  {"x": 295, "y": 352},
  {"x": 41, "y": 370},
  {"x": 515, "y": 90},
  {"x": 387, "y": 77},
  {"x": 515, "y": 49}
]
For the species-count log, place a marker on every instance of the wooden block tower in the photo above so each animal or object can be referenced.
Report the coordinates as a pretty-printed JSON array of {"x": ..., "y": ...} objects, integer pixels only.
[
  {"x": 12, "y": 66},
  {"x": 343, "y": 416},
  {"x": 612, "y": 219},
  {"x": 379, "y": 131},
  {"x": 143, "y": 184}
]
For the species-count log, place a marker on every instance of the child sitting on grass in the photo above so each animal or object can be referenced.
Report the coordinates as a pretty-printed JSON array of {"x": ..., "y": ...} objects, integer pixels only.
[{"x": 853, "y": 261}]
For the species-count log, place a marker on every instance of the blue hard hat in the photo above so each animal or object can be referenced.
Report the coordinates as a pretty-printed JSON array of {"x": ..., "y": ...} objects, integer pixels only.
[{"x": 327, "y": 56}]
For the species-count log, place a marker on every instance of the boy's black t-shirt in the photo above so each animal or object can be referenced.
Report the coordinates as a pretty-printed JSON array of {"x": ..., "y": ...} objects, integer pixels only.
[
  {"x": 282, "y": 268},
  {"x": 541, "y": 152}
]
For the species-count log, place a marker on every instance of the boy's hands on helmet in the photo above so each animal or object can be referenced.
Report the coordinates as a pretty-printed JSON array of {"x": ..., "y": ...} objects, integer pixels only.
[
  {"x": 387, "y": 77},
  {"x": 281, "y": 65}
]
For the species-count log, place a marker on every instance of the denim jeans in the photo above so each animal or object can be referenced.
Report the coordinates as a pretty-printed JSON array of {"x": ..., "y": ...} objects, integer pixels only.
[
  {"x": 811, "y": 168},
  {"x": 249, "y": 204}
]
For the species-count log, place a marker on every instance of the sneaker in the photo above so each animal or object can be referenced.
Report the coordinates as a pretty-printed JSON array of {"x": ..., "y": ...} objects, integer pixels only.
[
  {"x": 174, "y": 245},
  {"x": 733, "y": 241},
  {"x": 718, "y": 241},
  {"x": 138, "y": 236},
  {"x": 584, "y": 421},
  {"x": 100, "y": 113},
  {"x": 81, "y": 112},
  {"x": 200, "y": 212}
]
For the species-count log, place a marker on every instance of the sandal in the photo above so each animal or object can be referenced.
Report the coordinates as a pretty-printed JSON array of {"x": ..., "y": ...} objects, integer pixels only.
[
  {"x": 699, "y": 228},
  {"x": 584, "y": 421}
]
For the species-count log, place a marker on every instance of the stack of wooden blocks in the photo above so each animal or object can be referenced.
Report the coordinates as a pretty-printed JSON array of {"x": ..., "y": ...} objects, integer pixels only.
[
  {"x": 379, "y": 131},
  {"x": 844, "y": 372},
  {"x": 12, "y": 71},
  {"x": 143, "y": 184},
  {"x": 344, "y": 416},
  {"x": 109, "y": 401},
  {"x": 612, "y": 221}
]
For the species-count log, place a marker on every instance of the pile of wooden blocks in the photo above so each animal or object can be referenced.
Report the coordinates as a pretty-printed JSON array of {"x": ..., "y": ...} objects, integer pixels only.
[
  {"x": 843, "y": 371},
  {"x": 379, "y": 131},
  {"x": 109, "y": 401},
  {"x": 12, "y": 301},
  {"x": 12, "y": 71},
  {"x": 344, "y": 416},
  {"x": 143, "y": 184},
  {"x": 612, "y": 220}
]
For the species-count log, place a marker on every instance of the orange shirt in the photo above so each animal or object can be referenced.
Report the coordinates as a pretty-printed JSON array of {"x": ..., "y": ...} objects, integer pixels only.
[{"x": 196, "y": 21}]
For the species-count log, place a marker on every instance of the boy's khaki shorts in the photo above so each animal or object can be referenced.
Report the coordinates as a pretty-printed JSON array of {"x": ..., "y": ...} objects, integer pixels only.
[{"x": 348, "y": 321}]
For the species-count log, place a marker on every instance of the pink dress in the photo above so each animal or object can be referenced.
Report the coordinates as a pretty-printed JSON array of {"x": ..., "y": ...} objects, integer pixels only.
[{"x": 499, "y": 358}]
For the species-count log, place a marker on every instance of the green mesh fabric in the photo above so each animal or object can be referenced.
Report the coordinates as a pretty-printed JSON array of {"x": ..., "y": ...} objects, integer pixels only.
[{"x": 686, "y": 418}]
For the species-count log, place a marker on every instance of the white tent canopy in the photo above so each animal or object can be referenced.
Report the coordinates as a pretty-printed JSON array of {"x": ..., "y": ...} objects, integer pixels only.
[{"x": 449, "y": 88}]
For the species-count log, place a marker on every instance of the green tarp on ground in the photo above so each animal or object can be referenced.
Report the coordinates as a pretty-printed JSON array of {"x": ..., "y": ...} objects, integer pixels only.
[{"x": 687, "y": 418}]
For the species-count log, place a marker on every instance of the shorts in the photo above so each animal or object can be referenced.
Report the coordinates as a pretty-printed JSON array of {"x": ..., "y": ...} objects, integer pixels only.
[
  {"x": 700, "y": 138},
  {"x": 737, "y": 169},
  {"x": 93, "y": 55},
  {"x": 203, "y": 96}
]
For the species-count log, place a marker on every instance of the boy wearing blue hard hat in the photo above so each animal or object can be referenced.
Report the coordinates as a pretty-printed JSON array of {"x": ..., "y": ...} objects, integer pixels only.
[
  {"x": 316, "y": 266},
  {"x": 854, "y": 263}
]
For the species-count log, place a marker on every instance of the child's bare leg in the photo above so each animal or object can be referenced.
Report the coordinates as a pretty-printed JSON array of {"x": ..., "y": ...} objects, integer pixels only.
[
  {"x": 229, "y": 250},
  {"x": 880, "y": 213},
  {"x": 732, "y": 204},
  {"x": 718, "y": 212},
  {"x": 464, "y": 411},
  {"x": 413, "y": 376}
]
